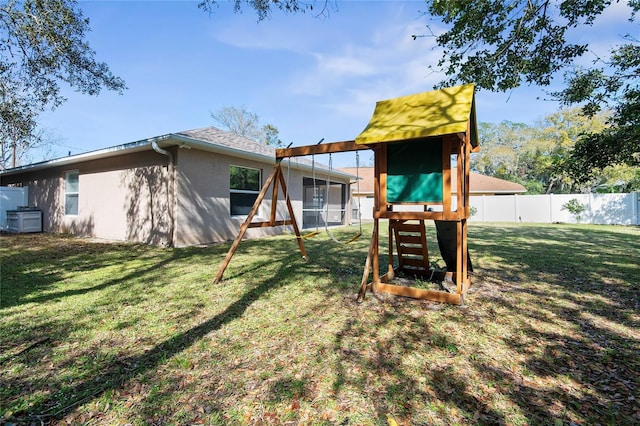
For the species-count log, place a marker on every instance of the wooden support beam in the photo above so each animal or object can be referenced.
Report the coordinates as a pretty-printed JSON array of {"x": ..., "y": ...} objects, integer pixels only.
[
  {"x": 246, "y": 224},
  {"x": 446, "y": 174},
  {"x": 325, "y": 148},
  {"x": 376, "y": 257},
  {"x": 367, "y": 268},
  {"x": 376, "y": 179},
  {"x": 292, "y": 216},
  {"x": 274, "y": 202},
  {"x": 417, "y": 215},
  {"x": 420, "y": 293},
  {"x": 276, "y": 177},
  {"x": 460, "y": 172},
  {"x": 270, "y": 224},
  {"x": 381, "y": 156},
  {"x": 467, "y": 172},
  {"x": 465, "y": 257},
  {"x": 459, "y": 256}
]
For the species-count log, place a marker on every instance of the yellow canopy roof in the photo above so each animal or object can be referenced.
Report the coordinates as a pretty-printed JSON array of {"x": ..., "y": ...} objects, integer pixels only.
[{"x": 440, "y": 112}]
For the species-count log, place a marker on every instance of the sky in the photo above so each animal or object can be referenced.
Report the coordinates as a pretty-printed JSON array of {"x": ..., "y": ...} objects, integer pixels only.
[{"x": 311, "y": 77}]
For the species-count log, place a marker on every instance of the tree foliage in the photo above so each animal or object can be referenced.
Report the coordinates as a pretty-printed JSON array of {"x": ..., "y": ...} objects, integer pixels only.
[
  {"x": 537, "y": 156},
  {"x": 264, "y": 8},
  {"x": 501, "y": 45},
  {"x": 245, "y": 123},
  {"x": 42, "y": 46}
]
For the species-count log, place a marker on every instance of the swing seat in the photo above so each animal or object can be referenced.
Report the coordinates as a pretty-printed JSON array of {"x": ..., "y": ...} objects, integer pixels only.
[
  {"x": 355, "y": 237},
  {"x": 309, "y": 235},
  {"x": 350, "y": 240}
]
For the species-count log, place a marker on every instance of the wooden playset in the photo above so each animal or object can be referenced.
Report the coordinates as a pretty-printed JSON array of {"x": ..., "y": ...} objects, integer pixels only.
[{"x": 418, "y": 142}]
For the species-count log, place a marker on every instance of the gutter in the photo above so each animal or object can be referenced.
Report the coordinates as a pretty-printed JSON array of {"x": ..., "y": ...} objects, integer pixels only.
[
  {"x": 166, "y": 140},
  {"x": 172, "y": 187}
]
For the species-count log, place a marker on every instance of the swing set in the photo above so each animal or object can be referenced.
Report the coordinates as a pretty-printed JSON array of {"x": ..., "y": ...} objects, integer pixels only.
[
  {"x": 316, "y": 196},
  {"x": 418, "y": 142}
]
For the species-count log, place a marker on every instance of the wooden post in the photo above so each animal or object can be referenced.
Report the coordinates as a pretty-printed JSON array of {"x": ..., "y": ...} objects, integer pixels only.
[
  {"x": 465, "y": 257},
  {"x": 367, "y": 268},
  {"x": 381, "y": 174},
  {"x": 390, "y": 271},
  {"x": 294, "y": 222},
  {"x": 459, "y": 255},
  {"x": 446, "y": 175},
  {"x": 245, "y": 225},
  {"x": 376, "y": 260},
  {"x": 467, "y": 172},
  {"x": 274, "y": 199},
  {"x": 460, "y": 171}
]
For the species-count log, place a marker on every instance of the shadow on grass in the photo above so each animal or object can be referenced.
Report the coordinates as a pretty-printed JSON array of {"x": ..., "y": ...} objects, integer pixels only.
[
  {"x": 35, "y": 264},
  {"x": 129, "y": 369},
  {"x": 586, "y": 278}
]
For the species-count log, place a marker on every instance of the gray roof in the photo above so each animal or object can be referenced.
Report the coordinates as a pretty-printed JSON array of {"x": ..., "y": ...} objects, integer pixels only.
[
  {"x": 206, "y": 138},
  {"x": 228, "y": 139}
]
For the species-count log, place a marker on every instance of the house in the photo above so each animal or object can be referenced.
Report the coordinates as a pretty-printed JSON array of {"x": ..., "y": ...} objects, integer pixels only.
[
  {"x": 478, "y": 185},
  {"x": 178, "y": 189}
]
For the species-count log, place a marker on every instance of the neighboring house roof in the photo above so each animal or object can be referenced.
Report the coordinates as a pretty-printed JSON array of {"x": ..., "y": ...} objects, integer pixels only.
[
  {"x": 207, "y": 138},
  {"x": 488, "y": 184},
  {"x": 366, "y": 178},
  {"x": 478, "y": 184}
]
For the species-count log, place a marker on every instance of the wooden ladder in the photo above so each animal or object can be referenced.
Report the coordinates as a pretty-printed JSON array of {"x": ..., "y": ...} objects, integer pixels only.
[{"x": 411, "y": 246}]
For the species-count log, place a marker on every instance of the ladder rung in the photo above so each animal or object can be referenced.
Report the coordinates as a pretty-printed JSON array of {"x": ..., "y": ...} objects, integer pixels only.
[
  {"x": 410, "y": 239},
  {"x": 409, "y": 227},
  {"x": 412, "y": 250}
]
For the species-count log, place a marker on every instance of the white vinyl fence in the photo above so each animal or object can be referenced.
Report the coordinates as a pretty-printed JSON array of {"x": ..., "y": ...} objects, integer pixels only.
[
  {"x": 618, "y": 209},
  {"x": 10, "y": 199}
]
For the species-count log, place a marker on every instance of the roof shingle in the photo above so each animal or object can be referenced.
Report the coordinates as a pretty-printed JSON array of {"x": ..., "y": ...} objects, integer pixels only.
[{"x": 228, "y": 139}]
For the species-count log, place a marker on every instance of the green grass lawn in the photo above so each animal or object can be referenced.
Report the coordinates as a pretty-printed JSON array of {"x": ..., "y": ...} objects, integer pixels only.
[{"x": 107, "y": 334}]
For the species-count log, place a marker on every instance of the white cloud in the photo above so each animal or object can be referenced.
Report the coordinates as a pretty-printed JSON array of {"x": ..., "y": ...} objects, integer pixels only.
[
  {"x": 607, "y": 32},
  {"x": 386, "y": 63}
]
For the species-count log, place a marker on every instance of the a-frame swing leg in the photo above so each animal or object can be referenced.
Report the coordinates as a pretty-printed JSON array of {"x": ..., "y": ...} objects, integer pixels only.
[
  {"x": 294, "y": 223},
  {"x": 367, "y": 264},
  {"x": 275, "y": 177}
]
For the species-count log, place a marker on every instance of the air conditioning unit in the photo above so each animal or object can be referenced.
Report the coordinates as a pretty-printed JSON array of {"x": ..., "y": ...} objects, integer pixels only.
[{"x": 26, "y": 219}]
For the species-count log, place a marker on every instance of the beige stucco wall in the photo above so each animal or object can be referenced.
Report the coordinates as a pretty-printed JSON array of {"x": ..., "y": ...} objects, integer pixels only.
[
  {"x": 121, "y": 198},
  {"x": 203, "y": 210},
  {"x": 129, "y": 197}
]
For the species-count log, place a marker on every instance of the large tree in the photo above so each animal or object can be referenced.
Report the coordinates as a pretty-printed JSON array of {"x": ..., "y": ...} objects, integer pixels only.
[
  {"x": 42, "y": 47},
  {"x": 501, "y": 45},
  {"x": 536, "y": 156}
]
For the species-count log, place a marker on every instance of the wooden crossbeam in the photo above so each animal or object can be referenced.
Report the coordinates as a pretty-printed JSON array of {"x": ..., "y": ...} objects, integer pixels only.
[
  {"x": 420, "y": 293},
  {"x": 270, "y": 224},
  {"x": 325, "y": 148}
]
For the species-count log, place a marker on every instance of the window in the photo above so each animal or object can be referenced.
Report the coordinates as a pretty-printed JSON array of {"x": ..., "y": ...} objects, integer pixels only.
[
  {"x": 71, "y": 193},
  {"x": 243, "y": 189},
  {"x": 320, "y": 206}
]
